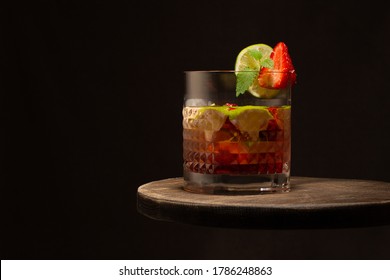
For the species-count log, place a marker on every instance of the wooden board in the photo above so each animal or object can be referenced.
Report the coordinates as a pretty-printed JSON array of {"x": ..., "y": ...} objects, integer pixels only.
[{"x": 312, "y": 203}]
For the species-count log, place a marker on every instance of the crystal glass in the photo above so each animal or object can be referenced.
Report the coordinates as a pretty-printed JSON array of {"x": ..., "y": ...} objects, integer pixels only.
[{"x": 235, "y": 144}]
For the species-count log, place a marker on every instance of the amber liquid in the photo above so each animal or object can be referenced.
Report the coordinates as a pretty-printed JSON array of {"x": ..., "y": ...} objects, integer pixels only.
[{"x": 229, "y": 151}]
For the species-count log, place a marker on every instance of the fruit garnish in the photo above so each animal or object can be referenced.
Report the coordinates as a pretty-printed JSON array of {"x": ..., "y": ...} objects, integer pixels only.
[
  {"x": 256, "y": 90},
  {"x": 248, "y": 64},
  {"x": 282, "y": 72}
]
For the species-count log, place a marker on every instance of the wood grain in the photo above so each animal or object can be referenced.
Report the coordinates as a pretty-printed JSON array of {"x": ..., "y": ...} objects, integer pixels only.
[{"x": 312, "y": 203}]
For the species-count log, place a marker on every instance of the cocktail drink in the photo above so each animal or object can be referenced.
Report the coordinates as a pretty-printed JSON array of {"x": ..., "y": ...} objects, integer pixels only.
[{"x": 236, "y": 124}]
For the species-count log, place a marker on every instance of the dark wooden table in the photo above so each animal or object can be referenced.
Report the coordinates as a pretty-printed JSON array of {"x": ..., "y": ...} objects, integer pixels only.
[{"x": 312, "y": 203}]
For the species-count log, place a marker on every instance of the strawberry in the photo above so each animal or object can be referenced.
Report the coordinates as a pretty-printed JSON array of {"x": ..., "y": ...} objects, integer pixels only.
[{"x": 283, "y": 67}]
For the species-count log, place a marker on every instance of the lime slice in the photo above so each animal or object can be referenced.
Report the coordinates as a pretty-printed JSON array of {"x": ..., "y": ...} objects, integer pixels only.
[
  {"x": 246, "y": 61},
  {"x": 261, "y": 92},
  {"x": 251, "y": 119}
]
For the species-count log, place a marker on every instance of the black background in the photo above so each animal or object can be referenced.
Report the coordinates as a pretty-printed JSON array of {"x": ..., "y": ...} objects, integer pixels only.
[{"x": 91, "y": 102}]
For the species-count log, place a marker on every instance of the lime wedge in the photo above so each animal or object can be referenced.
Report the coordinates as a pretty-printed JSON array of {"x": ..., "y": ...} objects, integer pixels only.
[
  {"x": 261, "y": 92},
  {"x": 245, "y": 60}
]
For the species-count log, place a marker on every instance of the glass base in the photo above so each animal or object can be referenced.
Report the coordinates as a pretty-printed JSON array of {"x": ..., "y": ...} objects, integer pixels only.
[{"x": 236, "y": 184}]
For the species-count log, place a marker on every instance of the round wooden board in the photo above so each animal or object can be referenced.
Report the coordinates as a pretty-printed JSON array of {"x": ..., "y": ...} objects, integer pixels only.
[{"x": 312, "y": 203}]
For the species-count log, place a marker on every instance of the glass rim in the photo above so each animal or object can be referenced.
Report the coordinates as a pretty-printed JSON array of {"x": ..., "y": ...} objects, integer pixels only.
[{"x": 239, "y": 71}]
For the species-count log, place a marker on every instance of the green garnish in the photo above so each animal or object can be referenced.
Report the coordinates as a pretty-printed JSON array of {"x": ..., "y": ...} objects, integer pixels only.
[
  {"x": 248, "y": 65},
  {"x": 245, "y": 79}
]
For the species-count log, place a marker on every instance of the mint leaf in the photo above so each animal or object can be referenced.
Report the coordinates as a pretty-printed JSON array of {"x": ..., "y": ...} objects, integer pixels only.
[
  {"x": 256, "y": 54},
  {"x": 245, "y": 79},
  {"x": 267, "y": 62}
]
